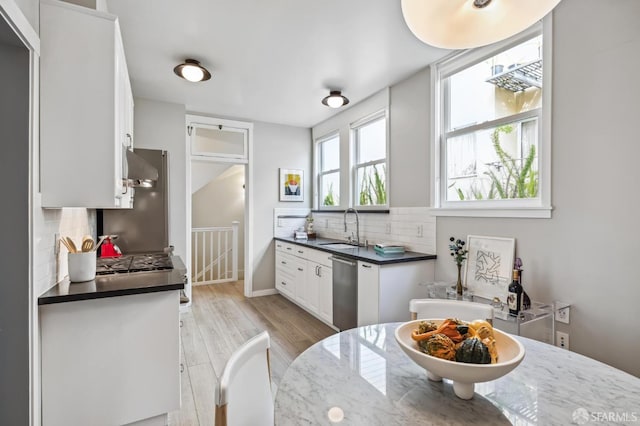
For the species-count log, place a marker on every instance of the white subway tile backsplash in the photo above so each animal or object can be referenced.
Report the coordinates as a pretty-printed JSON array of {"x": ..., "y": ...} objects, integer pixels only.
[
  {"x": 402, "y": 223},
  {"x": 49, "y": 268}
]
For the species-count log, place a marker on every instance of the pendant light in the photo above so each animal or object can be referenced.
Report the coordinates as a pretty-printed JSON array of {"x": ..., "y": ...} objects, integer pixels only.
[
  {"x": 464, "y": 24},
  {"x": 335, "y": 99},
  {"x": 191, "y": 70}
]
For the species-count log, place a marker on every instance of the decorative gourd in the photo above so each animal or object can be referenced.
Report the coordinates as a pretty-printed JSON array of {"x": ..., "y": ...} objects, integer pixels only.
[
  {"x": 439, "y": 346},
  {"x": 473, "y": 351},
  {"x": 426, "y": 326}
]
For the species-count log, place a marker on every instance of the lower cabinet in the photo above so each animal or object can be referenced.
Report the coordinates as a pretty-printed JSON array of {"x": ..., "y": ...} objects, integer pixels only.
[
  {"x": 384, "y": 291},
  {"x": 110, "y": 361},
  {"x": 320, "y": 287},
  {"x": 305, "y": 277}
]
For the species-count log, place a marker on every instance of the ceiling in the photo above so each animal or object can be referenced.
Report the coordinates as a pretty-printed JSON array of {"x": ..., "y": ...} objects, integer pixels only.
[{"x": 271, "y": 61}]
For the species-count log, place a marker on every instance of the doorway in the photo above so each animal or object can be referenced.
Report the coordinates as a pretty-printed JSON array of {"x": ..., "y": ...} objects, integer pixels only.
[{"x": 219, "y": 190}]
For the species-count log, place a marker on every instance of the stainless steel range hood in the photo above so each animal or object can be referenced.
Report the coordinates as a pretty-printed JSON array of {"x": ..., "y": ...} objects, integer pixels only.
[{"x": 139, "y": 171}]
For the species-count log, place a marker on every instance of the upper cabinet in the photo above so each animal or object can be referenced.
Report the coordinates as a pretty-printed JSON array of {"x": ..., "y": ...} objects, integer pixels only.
[{"x": 86, "y": 109}]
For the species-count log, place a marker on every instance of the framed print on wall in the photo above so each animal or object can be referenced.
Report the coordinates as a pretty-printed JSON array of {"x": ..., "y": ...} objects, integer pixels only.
[
  {"x": 291, "y": 185},
  {"x": 489, "y": 266}
]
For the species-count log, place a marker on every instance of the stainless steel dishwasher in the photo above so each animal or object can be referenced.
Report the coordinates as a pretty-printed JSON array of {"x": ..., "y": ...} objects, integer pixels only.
[{"x": 345, "y": 293}]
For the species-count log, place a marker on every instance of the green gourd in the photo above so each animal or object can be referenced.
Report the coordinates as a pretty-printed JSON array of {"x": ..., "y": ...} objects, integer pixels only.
[
  {"x": 473, "y": 351},
  {"x": 439, "y": 346}
]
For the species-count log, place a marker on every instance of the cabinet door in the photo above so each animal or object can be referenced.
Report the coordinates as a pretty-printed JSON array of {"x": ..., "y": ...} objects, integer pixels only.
[
  {"x": 368, "y": 291},
  {"x": 300, "y": 271},
  {"x": 81, "y": 63},
  {"x": 312, "y": 287},
  {"x": 325, "y": 293}
]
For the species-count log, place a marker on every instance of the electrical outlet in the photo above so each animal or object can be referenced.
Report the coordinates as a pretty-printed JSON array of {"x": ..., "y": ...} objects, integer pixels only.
[
  {"x": 387, "y": 229},
  {"x": 419, "y": 231},
  {"x": 562, "y": 340},
  {"x": 279, "y": 223},
  {"x": 56, "y": 243},
  {"x": 562, "y": 314}
]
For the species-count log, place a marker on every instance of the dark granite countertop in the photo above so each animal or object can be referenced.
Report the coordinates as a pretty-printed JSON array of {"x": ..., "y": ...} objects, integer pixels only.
[
  {"x": 367, "y": 254},
  {"x": 117, "y": 285}
]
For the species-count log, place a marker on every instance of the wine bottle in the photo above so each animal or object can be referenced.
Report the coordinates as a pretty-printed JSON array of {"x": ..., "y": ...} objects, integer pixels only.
[{"x": 514, "y": 298}]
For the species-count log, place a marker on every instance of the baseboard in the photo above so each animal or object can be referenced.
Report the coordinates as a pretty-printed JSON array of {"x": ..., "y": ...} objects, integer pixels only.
[{"x": 268, "y": 292}]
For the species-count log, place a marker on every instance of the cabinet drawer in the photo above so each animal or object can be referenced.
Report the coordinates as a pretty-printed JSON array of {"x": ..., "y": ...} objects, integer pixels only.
[
  {"x": 288, "y": 248},
  {"x": 285, "y": 261}
]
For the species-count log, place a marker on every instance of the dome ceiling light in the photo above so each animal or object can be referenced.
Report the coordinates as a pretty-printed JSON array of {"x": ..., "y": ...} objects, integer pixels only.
[
  {"x": 464, "y": 24},
  {"x": 191, "y": 70},
  {"x": 335, "y": 99}
]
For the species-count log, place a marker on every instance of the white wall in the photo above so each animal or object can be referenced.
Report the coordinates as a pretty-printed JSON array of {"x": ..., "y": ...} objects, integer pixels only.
[
  {"x": 409, "y": 151},
  {"x": 274, "y": 146},
  {"x": 161, "y": 125},
  {"x": 203, "y": 172},
  {"x": 31, "y": 11},
  {"x": 586, "y": 253},
  {"x": 221, "y": 202}
]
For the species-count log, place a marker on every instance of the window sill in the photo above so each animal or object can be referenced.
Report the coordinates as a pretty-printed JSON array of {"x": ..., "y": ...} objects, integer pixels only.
[{"x": 522, "y": 212}]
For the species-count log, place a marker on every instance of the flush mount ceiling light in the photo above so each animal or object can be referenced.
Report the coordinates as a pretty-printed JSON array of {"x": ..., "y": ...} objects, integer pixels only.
[
  {"x": 463, "y": 24},
  {"x": 335, "y": 99},
  {"x": 192, "y": 70}
]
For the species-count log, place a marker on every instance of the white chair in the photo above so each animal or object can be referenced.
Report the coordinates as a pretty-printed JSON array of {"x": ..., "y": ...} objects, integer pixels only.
[
  {"x": 243, "y": 395},
  {"x": 441, "y": 308}
]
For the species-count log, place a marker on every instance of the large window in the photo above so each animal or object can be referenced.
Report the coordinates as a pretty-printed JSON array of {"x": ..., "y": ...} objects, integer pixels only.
[
  {"x": 489, "y": 133},
  {"x": 328, "y": 149},
  {"x": 370, "y": 165}
]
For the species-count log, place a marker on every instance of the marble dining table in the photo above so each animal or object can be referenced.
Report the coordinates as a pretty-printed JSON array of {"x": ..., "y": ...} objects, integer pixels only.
[{"x": 362, "y": 377}]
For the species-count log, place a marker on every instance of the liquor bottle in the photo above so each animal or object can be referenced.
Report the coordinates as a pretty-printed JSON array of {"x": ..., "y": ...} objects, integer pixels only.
[{"x": 514, "y": 299}]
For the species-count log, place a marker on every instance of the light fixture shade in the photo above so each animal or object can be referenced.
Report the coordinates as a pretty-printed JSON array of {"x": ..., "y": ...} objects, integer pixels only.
[
  {"x": 464, "y": 24},
  {"x": 191, "y": 70},
  {"x": 335, "y": 99}
]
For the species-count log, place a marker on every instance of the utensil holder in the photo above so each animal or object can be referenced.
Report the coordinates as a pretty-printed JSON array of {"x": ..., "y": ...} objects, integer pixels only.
[{"x": 82, "y": 266}]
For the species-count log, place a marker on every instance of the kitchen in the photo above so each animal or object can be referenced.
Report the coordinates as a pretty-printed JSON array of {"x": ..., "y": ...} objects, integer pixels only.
[{"x": 588, "y": 116}]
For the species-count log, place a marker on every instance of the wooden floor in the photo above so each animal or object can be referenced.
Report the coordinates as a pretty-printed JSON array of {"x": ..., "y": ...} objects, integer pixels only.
[{"x": 221, "y": 319}]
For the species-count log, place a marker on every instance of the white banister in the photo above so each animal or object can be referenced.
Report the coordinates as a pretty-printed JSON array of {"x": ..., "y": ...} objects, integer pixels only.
[{"x": 213, "y": 263}]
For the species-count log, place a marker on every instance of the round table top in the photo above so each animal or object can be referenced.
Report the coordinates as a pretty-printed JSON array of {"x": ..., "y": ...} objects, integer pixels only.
[{"x": 362, "y": 377}]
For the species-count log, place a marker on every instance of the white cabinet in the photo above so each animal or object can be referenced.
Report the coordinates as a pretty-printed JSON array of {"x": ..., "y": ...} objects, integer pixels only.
[
  {"x": 305, "y": 276},
  {"x": 86, "y": 108},
  {"x": 319, "y": 284},
  {"x": 110, "y": 361},
  {"x": 384, "y": 291}
]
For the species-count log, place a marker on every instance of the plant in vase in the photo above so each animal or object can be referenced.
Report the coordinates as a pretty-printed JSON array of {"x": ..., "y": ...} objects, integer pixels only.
[{"x": 459, "y": 254}]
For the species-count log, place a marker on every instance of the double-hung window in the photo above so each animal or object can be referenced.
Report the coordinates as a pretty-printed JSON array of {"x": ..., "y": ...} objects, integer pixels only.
[
  {"x": 369, "y": 137},
  {"x": 492, "y": 150},
  {"x": 328, "y": 150}
]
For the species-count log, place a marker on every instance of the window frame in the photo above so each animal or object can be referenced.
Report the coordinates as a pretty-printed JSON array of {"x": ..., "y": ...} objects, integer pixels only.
[
  {"x": 318, "y": 143},
  {"x": 353, "y": 130},
  {"x": 533, "y": 208}
]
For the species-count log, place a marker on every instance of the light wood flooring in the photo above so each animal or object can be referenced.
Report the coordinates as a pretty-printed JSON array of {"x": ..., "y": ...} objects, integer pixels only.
[{"x": 220, "y": 320}]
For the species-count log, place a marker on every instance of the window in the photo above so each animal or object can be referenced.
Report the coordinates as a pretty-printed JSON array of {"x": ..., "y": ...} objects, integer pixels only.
[
  {"x": 328, "y": 149},
  {"x": 492, "y": 149},
  {"x": 370, "y": 165}
]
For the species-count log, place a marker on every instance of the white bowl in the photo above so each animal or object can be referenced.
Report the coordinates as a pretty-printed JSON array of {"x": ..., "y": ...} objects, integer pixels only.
[{"x": 464, "y": 375}]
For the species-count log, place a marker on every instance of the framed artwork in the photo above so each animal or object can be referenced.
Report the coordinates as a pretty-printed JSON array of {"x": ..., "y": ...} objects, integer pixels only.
[
  {"x": 291, "y": 185},
  {"x": 489, "y": 266}
]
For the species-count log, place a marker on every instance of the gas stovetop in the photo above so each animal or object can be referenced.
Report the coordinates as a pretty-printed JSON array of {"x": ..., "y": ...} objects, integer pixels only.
[{"x": 133, "y": 263}]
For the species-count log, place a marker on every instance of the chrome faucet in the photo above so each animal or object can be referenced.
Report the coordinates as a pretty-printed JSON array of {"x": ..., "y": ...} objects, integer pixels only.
[{"x": 357, "y": 239}]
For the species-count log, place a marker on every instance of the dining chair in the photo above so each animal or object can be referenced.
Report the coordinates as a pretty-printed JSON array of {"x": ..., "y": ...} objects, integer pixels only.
[
  {"x": 441, "y": 308},
  {"x": 243, "y": 394}
]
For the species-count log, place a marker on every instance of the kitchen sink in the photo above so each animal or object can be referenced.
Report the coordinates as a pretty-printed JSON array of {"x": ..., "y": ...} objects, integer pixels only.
[{"x": 339, "y": 246}]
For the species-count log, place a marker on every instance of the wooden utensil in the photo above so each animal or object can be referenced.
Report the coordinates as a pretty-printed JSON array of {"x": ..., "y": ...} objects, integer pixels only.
[
  {"x": 87, "y": 243},
  {"x": 71, "y": 245},
  {"x": 99, "y": 242},
  {"x": 63, "y": 240}
]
